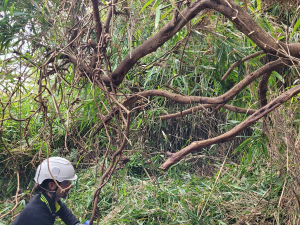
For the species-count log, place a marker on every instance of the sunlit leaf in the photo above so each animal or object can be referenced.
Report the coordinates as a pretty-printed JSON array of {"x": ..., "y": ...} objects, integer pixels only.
[
  {"x": 157, "y": 16},
  {"x": 259, "y": 5},
  {"x": 5, "y": 5},
  {"x": 12, "y": 10},
  {"x": 145, "y": 6},
  {"x": 157, "y": 2},
  {"x": 278, "y": 76},
  {"x": 296, "y": 26}
]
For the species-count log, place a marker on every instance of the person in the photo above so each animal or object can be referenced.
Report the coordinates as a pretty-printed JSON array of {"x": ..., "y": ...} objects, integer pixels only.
[{"x": 46, "y": 205}]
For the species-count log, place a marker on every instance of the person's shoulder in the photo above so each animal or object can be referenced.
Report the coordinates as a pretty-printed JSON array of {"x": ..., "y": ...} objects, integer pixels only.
[
  {"x": 37, "y": 204},
  {"x": 36, "y": 199},
  {"x": 34, "y": 213}
]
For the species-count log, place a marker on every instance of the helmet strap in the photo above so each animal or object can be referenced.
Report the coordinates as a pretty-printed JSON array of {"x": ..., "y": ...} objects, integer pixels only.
[
  {"x": 53, "y": 193},
  {"x": 46, "y": 190},
  {"x": 53, "y": 196}
]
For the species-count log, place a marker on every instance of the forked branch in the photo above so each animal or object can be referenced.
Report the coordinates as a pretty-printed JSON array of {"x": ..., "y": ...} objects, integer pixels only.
[
  {"x": 222, "y": 99},
  {"x": 198, "y": 145},
  {"x": 241, "y": 20}
]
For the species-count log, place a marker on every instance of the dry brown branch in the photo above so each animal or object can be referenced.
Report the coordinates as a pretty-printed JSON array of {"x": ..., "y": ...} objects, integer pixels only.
[
  {"x": 109, "y": 15},
  {"x": 208, "y": 100},
  {"x": 197, "y": 145},
  {"x": 222, "y": 99},
  {"x": 241, "y": 20},
  {"x": 108, "y": 173},
  {"x": 205, "y": 106},
  {"x": 97, "y": 21},
  {"x": 106, "y": 131},
  {"x": 241, "y": 61},
  {"x": 157, "y": 40},
  {"x": 245, "y": 23},
  {"x": 262, "y": 90}
]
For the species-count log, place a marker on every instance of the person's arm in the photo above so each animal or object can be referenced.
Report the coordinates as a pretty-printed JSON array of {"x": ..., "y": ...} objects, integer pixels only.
[{"x": 66, "y": 215}]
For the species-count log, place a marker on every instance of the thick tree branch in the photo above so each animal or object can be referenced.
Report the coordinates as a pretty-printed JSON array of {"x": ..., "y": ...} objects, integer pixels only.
[
  {"x": 109, "y": 15},
  {"x": 241, "y": 20},
  {"x": 97, "y": 21},
  {"x": 244, "y": 23},
  {"x": 197, "y": 145},
  {"x": 205, "y": 106},
  {"x": 262, "y": 89},
  {"x": 157, "y": 40},
  {"x": 223, "y": 99}
]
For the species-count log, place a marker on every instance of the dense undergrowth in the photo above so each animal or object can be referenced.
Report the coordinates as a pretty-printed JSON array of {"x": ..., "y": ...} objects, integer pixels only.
[
  {"x": 250, "y": 180},
  {"x": 245, "y": 193}
]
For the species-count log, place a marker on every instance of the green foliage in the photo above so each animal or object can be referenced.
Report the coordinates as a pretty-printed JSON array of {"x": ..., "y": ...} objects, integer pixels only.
[
  {"x": 246, "y": 188},
  {"x": 179, "y": 196}
]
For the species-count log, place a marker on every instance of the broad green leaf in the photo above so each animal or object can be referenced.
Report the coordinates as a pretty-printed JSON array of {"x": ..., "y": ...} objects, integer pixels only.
[
  {"x": 140, "y": 121},
  {"x": 5, "y": 5},
  {"x": 242, "y": 146},
  {"x": 270, "y": 27},
  {"x": 145, "y": 6},
  {"x": 197, "y": 20},
  {"x": 278, "y": 76},
  {"x": 296, "y": 26},
  {"x": 208, "y": 67},
  {"x": 18, "y": 13},
  {"x": 251, "y": 8},
  {"x": 12, "y": 10},
  {"x": 264, "y": 149},
  {"x": 156, "y": 3},
  {"x": 157, "y": 16}
]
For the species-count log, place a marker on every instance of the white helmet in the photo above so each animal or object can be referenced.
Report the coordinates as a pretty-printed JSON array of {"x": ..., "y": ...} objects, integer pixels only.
[{"x": 60, "y": 168}]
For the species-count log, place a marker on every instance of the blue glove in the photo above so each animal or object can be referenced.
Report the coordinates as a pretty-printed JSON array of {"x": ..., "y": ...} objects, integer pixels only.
[{"x": 86, "y": 222}]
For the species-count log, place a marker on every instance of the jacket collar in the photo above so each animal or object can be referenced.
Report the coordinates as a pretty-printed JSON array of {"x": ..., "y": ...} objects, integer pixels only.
[{"x": 50, "y": 203}]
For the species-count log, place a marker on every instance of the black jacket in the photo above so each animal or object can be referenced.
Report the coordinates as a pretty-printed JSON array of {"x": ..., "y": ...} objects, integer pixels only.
[{"x": 41, "y": 210}]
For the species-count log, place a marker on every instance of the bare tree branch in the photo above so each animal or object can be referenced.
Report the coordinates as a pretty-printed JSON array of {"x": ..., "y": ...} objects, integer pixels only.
[
  {"x": 197, "y": 145},
  {"x": 108, "y": 173},
  {"x": 97, "y": 21},
  {"x": 240, "y": 62},
  {"x": 262, "y": 89},
  {"x": 204, "y": 106},
  {"x": 222, "y": 99},
  {"x": 245, "y": 23},
  {"x": 157, "y": 40},
  {"x": 109, "y": 15},
  {"x": 241, "y": 20}
]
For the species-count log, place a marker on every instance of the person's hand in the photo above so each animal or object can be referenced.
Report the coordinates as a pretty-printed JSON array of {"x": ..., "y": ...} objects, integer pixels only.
[{"x": 85, "y": 223}]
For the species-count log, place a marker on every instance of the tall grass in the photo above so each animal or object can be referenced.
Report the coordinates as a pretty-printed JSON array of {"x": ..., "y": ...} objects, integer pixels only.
[
  {"x": 181, "y": 196},
  {"x": 235, "y": 194}
]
